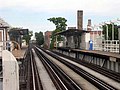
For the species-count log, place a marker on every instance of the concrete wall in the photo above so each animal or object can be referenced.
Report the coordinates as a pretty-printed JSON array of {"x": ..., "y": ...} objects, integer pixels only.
[
  {"x": 47, "y": 38},
  {"x": 85, "y": 38},
  {"x": 10, "y": 71},
  {"x": 70, "y": 42}
]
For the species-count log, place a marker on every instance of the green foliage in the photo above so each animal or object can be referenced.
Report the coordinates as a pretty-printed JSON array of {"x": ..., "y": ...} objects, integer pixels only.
[
  {"x": 28, "y": 37},
  {"x": 39, "y": 38},
  {"x": 110, "y": 31},
  {"x": 60, "y": 24}
]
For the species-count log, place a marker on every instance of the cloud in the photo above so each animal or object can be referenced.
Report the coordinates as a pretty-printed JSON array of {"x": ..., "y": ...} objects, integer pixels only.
[
  {"x": 35, "y": 12},
  {"x": 90, "y": 7},
  {"x": 63, "y": 5}
]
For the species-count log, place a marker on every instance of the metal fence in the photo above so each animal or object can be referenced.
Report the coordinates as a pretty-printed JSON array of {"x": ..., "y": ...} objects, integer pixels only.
[
  {"x": 110, "y": 45},
  {"x": 5, "y": 45},
  {"x": 107, "y": 45}
]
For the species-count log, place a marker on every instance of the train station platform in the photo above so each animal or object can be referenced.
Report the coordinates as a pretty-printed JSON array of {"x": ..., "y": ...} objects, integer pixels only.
[
  {"x": 91, "y": 52},
  {"x": 108, "y": 60},
  {"x": 105, "y": 53},
  {"x": 19, "y": 54}
]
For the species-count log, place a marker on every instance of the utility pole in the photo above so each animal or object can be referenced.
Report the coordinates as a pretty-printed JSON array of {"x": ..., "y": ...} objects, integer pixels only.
[
  {"x": 119, "y": 37},
  {"x": 106, "y": 31},
  {"x": 112, "y": 30},
  {"x": 56, "y": 41}
]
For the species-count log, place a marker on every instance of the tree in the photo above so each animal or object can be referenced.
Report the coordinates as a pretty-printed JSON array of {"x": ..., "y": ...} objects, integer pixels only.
[
  {"x": 110, "y": 31},
  {"x": 60, "y": 24},
  {"x": 28, "y": 37},
  {"x": 39, "y": 38}
]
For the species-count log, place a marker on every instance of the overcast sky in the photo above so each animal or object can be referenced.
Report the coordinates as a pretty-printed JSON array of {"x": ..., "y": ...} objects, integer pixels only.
[{"x": 33, "y": 14}]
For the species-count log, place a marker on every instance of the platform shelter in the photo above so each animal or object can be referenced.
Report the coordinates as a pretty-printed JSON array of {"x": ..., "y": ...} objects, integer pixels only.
[{"x": 75, "y": 38}]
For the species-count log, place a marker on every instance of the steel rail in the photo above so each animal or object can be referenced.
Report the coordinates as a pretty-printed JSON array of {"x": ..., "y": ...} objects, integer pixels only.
[
  {"x": 113, "y": 75},
  {"x": 33, "y": 76},
  {"x": 56, "y": 68},
  {"x": 65, "y": 78},
  {"x": 56, "y": 79},
  {"x": 97, "y": 82}
]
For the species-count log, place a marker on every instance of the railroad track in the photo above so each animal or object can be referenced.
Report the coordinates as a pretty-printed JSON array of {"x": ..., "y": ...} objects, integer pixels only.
[
  {"x": 95, "y": 81},
  {"x": 113, "y": 75},
  {"x": 33, "y": 79},
  {"x": 61, "y": 80}
]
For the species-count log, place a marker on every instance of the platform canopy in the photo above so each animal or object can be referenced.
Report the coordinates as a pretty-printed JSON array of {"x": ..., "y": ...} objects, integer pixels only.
[
  {"x": 4, "y": 27},
  {"x": 71, "y": 32},
  {"x": 19, "y": 31}
]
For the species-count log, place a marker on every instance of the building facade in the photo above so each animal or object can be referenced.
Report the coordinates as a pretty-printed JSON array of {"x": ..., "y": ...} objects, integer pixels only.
[
  {"x": 47, "y": 39},
  {"x": 95, "y": 36},
  {"x": 4, "y": 37}
]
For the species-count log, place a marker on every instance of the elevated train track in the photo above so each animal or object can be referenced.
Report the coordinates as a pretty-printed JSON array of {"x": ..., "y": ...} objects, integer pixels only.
[
  {"x": 95, "y": 81},
  {"x": 60, "y": 78},
  {"x": 33, "y": 79},
  {"x": 35, "y": 76},
  {"x": 111, "y": 74},
  {"x": 63, "y": 80}
]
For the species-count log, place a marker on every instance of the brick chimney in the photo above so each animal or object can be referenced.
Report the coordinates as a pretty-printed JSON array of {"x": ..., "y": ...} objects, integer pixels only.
[
  {"x": 89, "y": 25},
  {"x": 80, "y": 19}
]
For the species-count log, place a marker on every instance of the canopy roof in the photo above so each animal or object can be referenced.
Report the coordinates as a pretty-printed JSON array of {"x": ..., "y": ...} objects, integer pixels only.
[{"x": 71, "y": 32}]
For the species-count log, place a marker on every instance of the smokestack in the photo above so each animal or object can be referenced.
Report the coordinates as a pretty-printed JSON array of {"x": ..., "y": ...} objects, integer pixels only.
[
  {"x": 89, "y": 22},
  {"x": 80, "y": 19},
  {"x": 89, "y": 25}
]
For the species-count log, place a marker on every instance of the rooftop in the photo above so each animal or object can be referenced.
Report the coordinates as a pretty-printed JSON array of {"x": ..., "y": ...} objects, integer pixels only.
[
  {"x": 3, "y": 23},
  {"x": 71, "y": 32}
]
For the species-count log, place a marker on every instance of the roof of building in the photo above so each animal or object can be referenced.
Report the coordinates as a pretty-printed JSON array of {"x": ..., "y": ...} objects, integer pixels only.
[
  {"x": 71, "y": 32},
  {"x": 118, "y": 26},
  {"x": 4, "y": 27},
  {"x": 3, "y": 23}
]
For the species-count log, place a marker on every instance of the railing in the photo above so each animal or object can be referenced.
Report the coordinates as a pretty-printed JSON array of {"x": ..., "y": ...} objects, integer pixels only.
[
  {"x": 110, "y": 45},
  {"x": 5, "y": 45},
  {"x": 107, "y": 45}
]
